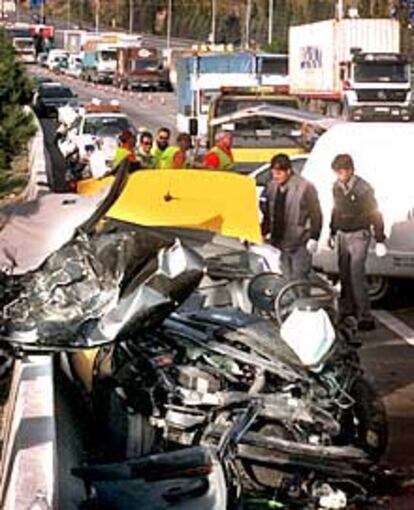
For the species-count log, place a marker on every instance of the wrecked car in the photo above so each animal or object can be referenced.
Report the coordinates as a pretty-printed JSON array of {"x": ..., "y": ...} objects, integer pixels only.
[{"x": 288, "y": 414}]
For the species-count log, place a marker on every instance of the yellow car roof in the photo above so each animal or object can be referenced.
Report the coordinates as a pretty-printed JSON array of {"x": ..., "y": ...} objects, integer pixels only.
[{"x": 220, "y": 202}]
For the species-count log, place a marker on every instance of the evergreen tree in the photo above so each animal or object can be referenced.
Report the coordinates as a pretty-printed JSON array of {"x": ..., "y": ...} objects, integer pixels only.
[{"x": 16, "y": 126}]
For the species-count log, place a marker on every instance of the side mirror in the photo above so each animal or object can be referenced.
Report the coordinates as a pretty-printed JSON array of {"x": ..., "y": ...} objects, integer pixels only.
[{"x": 193, "y": 126}]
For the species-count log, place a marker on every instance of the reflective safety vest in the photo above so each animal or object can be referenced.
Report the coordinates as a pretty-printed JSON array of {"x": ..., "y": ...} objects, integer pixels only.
[
  {"x": 156, "y": 153},
  {"x": 166, "y": 160},
  {"x": 120, "y": 154},
  {"x": 226, "y": 161}
]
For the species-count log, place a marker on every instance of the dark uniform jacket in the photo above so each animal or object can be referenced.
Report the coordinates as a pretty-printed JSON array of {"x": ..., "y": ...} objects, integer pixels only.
[
  {"x": 303, "y": 216},
  {"x": 356, "y": 209}
]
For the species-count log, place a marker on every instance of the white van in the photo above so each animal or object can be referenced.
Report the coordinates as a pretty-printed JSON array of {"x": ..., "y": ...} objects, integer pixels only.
[
  {"x": 55, "y": 55},
  {"x": 382, "y": 154}
]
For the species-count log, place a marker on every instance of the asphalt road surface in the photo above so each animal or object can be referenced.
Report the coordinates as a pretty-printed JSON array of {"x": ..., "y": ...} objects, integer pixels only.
[
  {"x": 387, "y": 353},
  {"x": 147, "y": 109}
]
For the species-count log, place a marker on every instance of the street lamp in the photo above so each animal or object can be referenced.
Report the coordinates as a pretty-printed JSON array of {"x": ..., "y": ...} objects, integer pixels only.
[
  {"x": 131, "y": 16},
  {"x": 169, "y": 21},
  {"x": 340, "y": 9},
  {"x": 270, "y": 33},
  {"x": 248, "y": 16},
  {"x": 97, "y": 14},
  {"x": 213, "y": 21}
]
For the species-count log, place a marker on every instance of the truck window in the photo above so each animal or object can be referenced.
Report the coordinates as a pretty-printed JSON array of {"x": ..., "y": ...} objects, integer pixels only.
[
  {"x": 226, "y": 106},
  {"x": 106, "y": 126},
  {"x": 274, "y": 66},
  {"x": 258, "y": 132},
  {"x": 24, "y": 45},
  {"x": 108, "y": 55},
  {"x": 144, "y": 65},
  {"x": 381, "y": 72}
]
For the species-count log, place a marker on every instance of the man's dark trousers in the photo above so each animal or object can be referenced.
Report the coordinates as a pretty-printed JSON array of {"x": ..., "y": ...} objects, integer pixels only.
[{"x": 352, "y": 255}]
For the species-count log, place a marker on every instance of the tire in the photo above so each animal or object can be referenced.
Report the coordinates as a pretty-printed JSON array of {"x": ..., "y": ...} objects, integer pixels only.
[
  {"x": 378, "y": 287},
  {"x": 366, "y": 425}
]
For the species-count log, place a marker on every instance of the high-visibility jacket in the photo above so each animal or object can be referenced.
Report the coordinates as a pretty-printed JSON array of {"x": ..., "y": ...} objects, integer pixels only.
[
  {"x": 226, "y": 161},
  {"x": 157, "y": 154},
  {"x": 121, "y": 153},
  {"x": 167, "y": 158}
]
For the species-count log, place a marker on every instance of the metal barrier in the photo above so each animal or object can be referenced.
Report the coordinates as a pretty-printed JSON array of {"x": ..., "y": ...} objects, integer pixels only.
[{"x": 28, "y": 460}]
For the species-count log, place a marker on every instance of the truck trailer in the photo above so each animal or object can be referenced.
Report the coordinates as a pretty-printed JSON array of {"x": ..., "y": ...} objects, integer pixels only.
[{"x": 351, "y": 66}]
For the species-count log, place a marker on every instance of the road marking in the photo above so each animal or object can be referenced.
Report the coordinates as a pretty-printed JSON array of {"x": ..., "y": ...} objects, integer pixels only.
[{"x": 395, "y": 325}]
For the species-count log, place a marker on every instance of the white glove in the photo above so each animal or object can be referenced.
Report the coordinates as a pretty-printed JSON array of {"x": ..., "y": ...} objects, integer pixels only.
[
  {"x": 380, "y": 250},
  {"x": 312, "y": 246}
]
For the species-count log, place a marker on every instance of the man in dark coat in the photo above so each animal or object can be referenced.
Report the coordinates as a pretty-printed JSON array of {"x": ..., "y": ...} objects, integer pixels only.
[
  {"x": 292, "y": 218},
  {"x": 355, "y": 215}
]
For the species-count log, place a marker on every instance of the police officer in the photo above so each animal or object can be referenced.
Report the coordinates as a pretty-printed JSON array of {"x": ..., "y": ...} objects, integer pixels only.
[
  {"x": 292, "y": 218},
  {"x": 355, "y": 212}
]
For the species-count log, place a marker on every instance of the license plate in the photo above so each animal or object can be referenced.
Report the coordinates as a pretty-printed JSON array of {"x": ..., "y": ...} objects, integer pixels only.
[{"x": 382, "y": 110}]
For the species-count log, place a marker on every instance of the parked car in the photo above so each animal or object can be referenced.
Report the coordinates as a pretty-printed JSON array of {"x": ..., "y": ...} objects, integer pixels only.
[
  {"x": 42, "y": 59},
  {"x": 51, "y": 96}
]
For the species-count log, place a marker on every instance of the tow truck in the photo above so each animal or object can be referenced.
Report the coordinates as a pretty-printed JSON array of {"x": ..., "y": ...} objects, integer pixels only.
[
  {"x": 92, "y": 137},
  {"x": 259, "y": 131}
]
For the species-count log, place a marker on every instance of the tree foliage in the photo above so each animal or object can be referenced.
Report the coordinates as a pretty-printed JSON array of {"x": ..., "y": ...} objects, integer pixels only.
[
  {"x": 16, "y": 126},
  {"x": 192, "y": 18}
]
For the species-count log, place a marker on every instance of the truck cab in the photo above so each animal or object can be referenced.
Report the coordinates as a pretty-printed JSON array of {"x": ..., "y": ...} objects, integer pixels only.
[
  {"x": 99, "y": 64},
  {"x": 257, "y": 132},
  {"x": 25, "y": 50},
  {"x": 376, "y": 86},
  {"x": 140, "y": 68}
]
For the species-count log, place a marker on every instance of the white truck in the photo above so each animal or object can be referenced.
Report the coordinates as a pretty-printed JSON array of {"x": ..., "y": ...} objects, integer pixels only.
[
  {"x": 353, "y": 66},
  {"x": 24, "y": 49}
]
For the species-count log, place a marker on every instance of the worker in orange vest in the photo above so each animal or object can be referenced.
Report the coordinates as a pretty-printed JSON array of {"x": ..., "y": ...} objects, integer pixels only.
[
  {"x": 126, "y": 148},
  {"x": 220, "y": 157}
]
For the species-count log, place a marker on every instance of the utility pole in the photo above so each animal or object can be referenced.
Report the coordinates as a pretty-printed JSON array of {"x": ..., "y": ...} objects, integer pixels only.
[
  {"x": 270, "y": 33},
  {"x": 169, "y": 23},
  {"x": 69, "y": 13},
  {"x": 97, "y": 14},
  {"x": 340, "y": 9},
  {"x": 131, "y": 16},
  {"x": 213, "y": 21},
  {"x": 42, "y": 11},
  {"x": 248, "y": 16}
]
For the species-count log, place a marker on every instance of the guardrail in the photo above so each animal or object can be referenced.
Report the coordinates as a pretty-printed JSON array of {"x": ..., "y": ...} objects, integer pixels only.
[
  {"x": 39, "y": 163},
  {"x": 28, "y": 457},
  {"x": 28, "y": 460}
]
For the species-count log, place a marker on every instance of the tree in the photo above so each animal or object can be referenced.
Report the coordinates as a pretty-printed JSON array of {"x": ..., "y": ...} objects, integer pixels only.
[{"x": 16, "y": 126}]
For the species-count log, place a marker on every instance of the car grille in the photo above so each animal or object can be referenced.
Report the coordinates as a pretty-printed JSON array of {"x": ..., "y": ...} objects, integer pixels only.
[{"x": 381, "y": 95}]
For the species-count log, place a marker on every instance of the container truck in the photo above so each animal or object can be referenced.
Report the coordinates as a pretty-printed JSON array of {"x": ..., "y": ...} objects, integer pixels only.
[
  {"x": 353, "y": 66},
  {"x": 140, "y": 68},
  {"x": 201, "y": 77},
  {"x": 99, "y": 63}
]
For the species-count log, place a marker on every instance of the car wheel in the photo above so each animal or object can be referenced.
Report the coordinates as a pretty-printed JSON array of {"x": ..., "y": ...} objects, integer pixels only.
[{"x": 378, "y": 287}]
